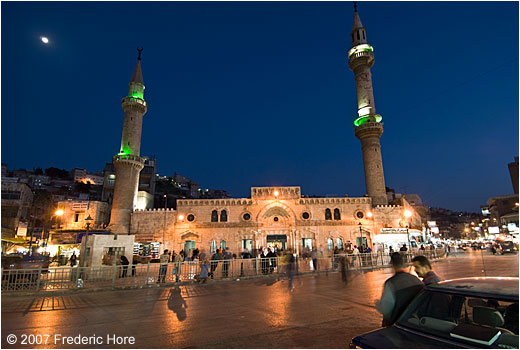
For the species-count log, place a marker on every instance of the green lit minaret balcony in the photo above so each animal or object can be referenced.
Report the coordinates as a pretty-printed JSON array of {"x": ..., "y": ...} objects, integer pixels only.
[{"x": 368, "y": 118}]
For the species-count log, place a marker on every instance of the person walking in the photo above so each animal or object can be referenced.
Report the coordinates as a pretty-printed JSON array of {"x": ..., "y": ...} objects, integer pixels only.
[
  {"x": 226, "y": 255},
  {"x": 124, "y": 262},
  {"x": 178, "y": 260},
  {"x": 355, "y": 254},
  {"x": 291, "y": 269},
  {"x": 163, "y": 260},
  {"x": 204, "y": 267},
  {"x": 73, "y": 259},
  {"x": 398, "y": 291},
  {"x": 423, "y": 268},
  {"x": 272, "y": 261},
  {"x": 214, "y": 262},
  {"x": 264, "y": 258}
]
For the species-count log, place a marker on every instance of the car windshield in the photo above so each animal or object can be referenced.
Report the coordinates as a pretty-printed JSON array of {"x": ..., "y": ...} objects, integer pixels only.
[{"x": 459, "y": 318}]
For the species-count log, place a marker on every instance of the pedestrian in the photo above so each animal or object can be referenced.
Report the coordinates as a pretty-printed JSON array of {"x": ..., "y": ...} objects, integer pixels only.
[
  {"x": 204, "y": 267},
  {"x": 291, "y": 269},
  {"x": 178, "y": 260},
  {"x": 272, "y": 261},
  {"x": 163, "y": 260},
  {"x": 422, "y": 247},
  {"x": 423, "y": 268},
  {"x": 314, "y": 256},
  {"x": 73, "y": 259},
  {"x": 264, "y": 258},
  {"x": 245, "y": 255},
  {"x": 214, "y": 262},
  {"x": 226, "y": 255},
  {"x": 344, "y": 265},
  {"x": 398, "y": 291},
  {"x": 134, "y": 262},
  {"x": 355, "y": 254},
  {"x": 124, "y": 262}
]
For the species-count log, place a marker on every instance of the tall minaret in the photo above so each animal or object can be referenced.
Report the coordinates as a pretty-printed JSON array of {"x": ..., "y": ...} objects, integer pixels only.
[
  {"x": 128, "y": 164},
  {"x": 367, "y": 127}
]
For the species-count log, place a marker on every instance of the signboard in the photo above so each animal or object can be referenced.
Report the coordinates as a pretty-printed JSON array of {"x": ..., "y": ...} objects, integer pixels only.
[
  {"x": 22, "y": 229},
  {"x": 493, "y": 229},
  {"x": 432, "y": 223},
  {"x": 434, "y": 230},
  {"x": 77, "y": 206},
  {"x": 511, "y": 227},
  {"x": 392, "y": 230}
]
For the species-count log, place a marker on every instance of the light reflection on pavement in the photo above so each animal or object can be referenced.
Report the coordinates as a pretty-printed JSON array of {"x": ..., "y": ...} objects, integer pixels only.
[{"x": 322, "y": 312}]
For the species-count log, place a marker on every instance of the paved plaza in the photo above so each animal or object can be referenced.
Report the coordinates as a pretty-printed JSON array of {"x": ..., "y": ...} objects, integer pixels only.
[{"x": 321, "y": 312}]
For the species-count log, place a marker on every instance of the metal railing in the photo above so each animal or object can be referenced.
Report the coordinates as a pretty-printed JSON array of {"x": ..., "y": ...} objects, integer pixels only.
[{"x": 121, "y": 276}]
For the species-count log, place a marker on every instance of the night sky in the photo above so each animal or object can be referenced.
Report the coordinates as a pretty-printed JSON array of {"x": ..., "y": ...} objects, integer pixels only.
[{"x": 248, "y": 94}]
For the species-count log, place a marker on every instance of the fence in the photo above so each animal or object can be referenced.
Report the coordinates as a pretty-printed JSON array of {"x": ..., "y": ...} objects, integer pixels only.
[{"x": 69, "y": 278}]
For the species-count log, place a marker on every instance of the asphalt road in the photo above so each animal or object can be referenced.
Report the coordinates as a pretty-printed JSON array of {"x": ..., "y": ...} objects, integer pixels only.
[{"x": 322, "y": 312}]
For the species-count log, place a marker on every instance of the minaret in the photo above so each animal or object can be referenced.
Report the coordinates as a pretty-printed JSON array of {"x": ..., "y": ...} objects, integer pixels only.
[
  {"x": 367, "y": 127},
  {"x": 127, "y": 162}
]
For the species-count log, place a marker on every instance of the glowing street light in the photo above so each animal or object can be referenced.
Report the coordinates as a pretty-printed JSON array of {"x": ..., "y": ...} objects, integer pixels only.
[
  {"x": 407, "y": 214},
  {"x": 181, "y": 217},
  {"x": 276, "y": 193},
  {"x": 59, "y": 212},
  {"x": 369, "y": 214}
]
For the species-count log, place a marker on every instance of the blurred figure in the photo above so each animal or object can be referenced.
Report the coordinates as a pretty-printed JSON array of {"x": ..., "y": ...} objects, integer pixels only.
[
  {"x": 124, "y": 262},
  {"x": 264, "y": 256},
  {"x": 204, "y": 267},
  {"x": 73, "y": 259},
  {"x": 398, "y": 291},
  {"x": 163, "y": 260},
  {"x": 178, "y": 260},
  {"x": 214, "y": 262},
  {"x": 226, "y": 255},
  {"x": 291, "y": 269}
]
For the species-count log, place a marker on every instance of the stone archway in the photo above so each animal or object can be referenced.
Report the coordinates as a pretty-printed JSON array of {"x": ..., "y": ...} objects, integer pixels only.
[{"x": 276, "y": 223}]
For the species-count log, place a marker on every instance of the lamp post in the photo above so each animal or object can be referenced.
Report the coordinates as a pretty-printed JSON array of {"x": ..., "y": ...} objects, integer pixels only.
[
  {"x": 164, "y": 226},
  {"x": 85, "y": 258},
  {"x": 408, "y": 214},
  {"x": 361, "y": 236}
]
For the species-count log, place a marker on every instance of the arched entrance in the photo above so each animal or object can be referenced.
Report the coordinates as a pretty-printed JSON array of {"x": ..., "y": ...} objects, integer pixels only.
[{"x": 276, "y": 222}]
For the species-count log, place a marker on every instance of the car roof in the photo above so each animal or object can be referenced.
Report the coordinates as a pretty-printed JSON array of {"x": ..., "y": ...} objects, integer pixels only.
[{"x": 485, "y": 287}]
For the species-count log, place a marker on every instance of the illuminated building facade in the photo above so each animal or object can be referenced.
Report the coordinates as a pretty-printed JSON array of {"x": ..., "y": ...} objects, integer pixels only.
[{"x": 279, "y": 216}]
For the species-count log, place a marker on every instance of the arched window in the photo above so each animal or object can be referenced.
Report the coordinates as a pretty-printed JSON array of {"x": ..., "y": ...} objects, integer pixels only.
[
  {"x": 330, "y": 244},
  {"x": 223, "y": 216},
  {"x": 328, "y": 215},
  {"x": 358, "y": 35},
  {"x": 222, "y": 244},
  {"x": 337, "y": 215},
  {"x": 214, "y": 216},
  {"x": 339, "y": 243},
  {"x": 213, "y": 247}
]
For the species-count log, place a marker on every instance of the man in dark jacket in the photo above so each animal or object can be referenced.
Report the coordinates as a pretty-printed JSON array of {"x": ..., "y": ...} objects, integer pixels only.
[
  {"x": 398, "y": 292},
  {"x": 214, "y": 262},
  {"x": 423, "y": 268}
]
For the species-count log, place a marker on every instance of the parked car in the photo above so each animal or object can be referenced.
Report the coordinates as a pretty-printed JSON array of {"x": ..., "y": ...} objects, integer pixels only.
[
  {"x": 506, "y": 247},
  {"x": 480, "y": 312}
]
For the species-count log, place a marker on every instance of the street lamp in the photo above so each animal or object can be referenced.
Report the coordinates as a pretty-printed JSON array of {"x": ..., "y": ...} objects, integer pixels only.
[
  {"x": 59, "y": 213},
  {"x": 407, "y": 215},
  {"x": 164, "y": 227},
  {"x": 85, "y": 258},
  {"x": 361, "y": 236}
]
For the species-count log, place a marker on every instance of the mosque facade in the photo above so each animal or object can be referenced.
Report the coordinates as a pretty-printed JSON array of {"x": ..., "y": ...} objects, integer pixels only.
[{"x": 281, "y": 217}]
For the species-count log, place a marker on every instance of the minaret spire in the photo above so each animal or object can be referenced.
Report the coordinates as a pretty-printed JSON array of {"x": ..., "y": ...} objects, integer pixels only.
[
  {"x": 128, "y": 162},
  {"x": 367, "y": 126}
]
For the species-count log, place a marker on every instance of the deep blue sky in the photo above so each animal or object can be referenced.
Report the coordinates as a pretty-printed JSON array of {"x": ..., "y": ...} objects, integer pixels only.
[{"x": 248, "y": 94}]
